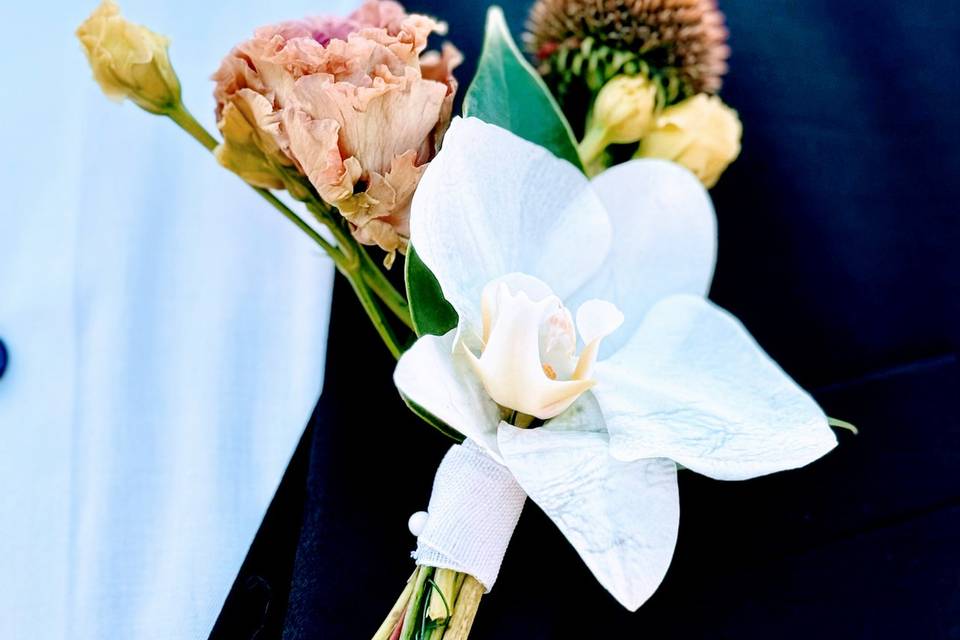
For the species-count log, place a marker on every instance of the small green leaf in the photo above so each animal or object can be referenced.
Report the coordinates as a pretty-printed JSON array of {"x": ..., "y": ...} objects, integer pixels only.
[
  {"x": 509, "y": 93},
  {"x": 430, "y": 311},
  {"x": 432, "y": 420},
  {"x": 837, "y": 423}
]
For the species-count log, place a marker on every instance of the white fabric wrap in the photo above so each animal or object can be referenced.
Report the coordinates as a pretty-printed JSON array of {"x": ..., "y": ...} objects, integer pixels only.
[{"x": 474, "y": 508}]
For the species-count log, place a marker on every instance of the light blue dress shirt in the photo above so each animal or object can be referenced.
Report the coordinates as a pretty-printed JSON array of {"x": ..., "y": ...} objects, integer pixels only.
[{"x": 166, "y": 331}]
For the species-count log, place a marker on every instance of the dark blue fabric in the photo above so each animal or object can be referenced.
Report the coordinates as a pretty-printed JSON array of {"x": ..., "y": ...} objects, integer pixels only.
[
  {"x": 839, "y": 239},
  {"x": 3, "y": 358}
]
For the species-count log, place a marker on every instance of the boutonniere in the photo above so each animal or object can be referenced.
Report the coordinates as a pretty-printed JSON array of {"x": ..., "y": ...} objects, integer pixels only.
[
  {"x": 554, "y": 319},
  {"x": 586, "y": 359}
]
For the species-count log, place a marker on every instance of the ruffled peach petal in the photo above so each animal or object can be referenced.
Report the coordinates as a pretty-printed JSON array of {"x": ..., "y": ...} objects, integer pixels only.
[
  {"x": 439, "y": 68},
  {"x": 384, "y": 217},
  {"x": 346, "y": 101},
  {"x": 409, "y": 110},
  {"x": 383, "y": 15},
  {"x": 314, "y": 145}
]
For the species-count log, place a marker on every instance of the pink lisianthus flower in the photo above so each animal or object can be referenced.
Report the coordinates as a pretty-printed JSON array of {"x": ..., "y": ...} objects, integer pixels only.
[{"x": 354, "y": 104}]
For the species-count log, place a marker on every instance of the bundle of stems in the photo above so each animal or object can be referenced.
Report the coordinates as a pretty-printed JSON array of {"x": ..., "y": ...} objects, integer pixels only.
[
  {"x": 379, "y": 298},
  {"x": 437, "y": 604}
]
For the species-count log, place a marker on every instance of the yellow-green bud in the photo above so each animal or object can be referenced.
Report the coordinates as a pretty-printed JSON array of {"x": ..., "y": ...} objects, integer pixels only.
[
  {"x": 241, "y": 150},
  {"x": 129, "y": 61},
  {"x": 621, "y": 114},
  {"x": 624, "y": 108},
  {"x": 701, "y": 133}
]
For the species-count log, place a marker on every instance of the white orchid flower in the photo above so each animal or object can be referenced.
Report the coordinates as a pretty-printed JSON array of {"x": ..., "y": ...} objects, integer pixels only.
[{"x": 518, "y": 239}]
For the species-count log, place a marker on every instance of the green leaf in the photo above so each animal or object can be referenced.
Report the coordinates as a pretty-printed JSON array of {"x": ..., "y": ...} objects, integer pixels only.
[
  {"x": 509, "y": 93},
  {"x": 430, "y": 311},
  {"x": 432, "y": 420},
  {"x": 842, "y": 424}
]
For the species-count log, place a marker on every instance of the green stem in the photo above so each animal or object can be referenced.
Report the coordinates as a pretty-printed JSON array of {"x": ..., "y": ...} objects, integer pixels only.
[
  {"x": 395, "y": 617},
  {"x": 371, "y": 273},
  {"x": 381, "y": 285},
  {"x": 411, "y": 620},
  {"x": 346, "y": 256},
  {"x": 374, "y": 312},
  {"x": 344, "y": 240},
  {"x": 591, "y": 150},
  {"x": 338, "y": 257},
  {"x": 188, "y": 123},
  {"x": 352, "y": 270},
  {"x": 464, "y": 610}
]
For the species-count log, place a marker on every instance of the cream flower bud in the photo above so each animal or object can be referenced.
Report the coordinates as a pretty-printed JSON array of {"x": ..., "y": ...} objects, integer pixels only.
[
  {"x": 624, "y": 108},
  {"x": 621, "y": 114},
  {"x": 128, "y": 60},
  {"x": 529, "y": 362},
  {"x": 244, "y": 150},
  {"x": 701, "y": 133}
]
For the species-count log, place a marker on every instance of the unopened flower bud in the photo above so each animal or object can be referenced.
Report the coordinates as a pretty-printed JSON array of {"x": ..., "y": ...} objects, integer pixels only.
[
  {"x": 242, "y": 148},
  {"x": 129, "y": 60},
  {"x": 621, "y": 114},
  {"x": 624, "y": 108},
  {"x": 701, "y": 133}
]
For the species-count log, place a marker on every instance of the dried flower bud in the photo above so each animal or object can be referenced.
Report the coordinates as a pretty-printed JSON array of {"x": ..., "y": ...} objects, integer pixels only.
[
  {"x": 684, "y": 38},
  {"x": 128, "y": 60},
  {"x": 701, "y": 133}
]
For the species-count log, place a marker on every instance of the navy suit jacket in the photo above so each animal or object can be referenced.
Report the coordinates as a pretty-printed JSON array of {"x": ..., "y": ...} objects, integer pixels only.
[{"x": 839, "y": 244}]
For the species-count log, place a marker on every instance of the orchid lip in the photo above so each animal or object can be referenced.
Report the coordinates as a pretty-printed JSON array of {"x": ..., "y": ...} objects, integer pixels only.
[{"x": 528, "y": 360}]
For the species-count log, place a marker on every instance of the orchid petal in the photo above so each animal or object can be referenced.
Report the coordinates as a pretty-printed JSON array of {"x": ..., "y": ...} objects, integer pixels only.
[
  {"x": 664, "y": 240},
  {"x": 534, "y": 288},
  {"x": 438, "y": 378},
  {"x": 516, "y": 282},
  {"x": 492, "y": 203},
  {"x": 596, "y": 319},
  {"x": 510, "y": 366},
  {"x": 621, "y": 517},
  {"x": 692, "y": 385}
]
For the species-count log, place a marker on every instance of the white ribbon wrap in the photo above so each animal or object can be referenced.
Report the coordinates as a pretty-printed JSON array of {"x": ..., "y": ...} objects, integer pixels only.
[{"x": 474, "y": 508}]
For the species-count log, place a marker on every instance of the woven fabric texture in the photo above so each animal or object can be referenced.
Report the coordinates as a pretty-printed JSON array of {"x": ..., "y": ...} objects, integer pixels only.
[{"x": 474, "y": 508}]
